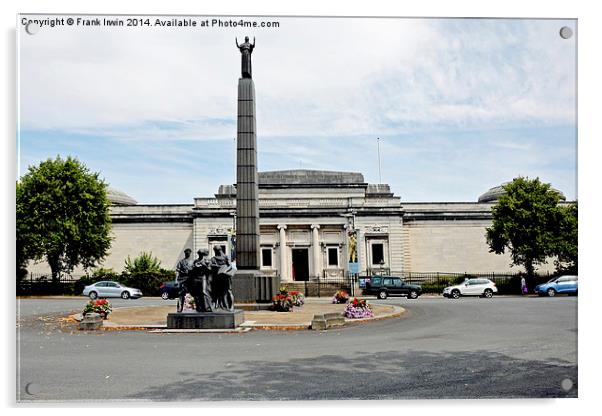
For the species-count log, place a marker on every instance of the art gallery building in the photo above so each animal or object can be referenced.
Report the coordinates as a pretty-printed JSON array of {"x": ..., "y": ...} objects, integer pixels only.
[{"x": 317, "y": 223}]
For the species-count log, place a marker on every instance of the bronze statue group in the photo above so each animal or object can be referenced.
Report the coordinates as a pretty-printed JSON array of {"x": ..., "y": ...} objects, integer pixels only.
[{"x": 208, "y": 281}]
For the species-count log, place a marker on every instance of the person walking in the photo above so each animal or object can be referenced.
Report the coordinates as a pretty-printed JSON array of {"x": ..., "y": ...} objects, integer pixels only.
[{"x": 523, "y": 286}]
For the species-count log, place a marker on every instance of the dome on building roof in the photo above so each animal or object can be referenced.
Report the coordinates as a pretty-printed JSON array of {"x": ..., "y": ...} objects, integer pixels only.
[
  {"x": 117, "y": 197},
  {"x": 494, "y": 194}
]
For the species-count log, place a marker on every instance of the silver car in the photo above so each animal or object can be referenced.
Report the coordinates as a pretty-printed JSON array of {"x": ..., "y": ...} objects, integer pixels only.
[
  {"x": 471, "y": 287},
  {"x": 108, "y": 289}
]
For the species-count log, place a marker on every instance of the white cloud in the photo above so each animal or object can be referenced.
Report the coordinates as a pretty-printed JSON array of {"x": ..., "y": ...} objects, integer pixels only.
[
  {"x": 326, "y": 88},
  {"x": 313, "y": 77}
]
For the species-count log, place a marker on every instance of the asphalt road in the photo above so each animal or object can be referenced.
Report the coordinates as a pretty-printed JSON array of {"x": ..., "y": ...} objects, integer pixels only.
[
  {"x": 28, "y": 307},
  {"x": 505, "y": 347}
]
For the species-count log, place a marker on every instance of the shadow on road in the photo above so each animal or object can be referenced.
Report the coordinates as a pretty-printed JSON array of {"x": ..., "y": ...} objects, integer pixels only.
[{"x": 383, "y": 375}]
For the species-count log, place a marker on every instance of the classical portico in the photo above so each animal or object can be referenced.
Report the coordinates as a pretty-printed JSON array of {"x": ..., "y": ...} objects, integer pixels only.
[{"x": 305, "y": 218}]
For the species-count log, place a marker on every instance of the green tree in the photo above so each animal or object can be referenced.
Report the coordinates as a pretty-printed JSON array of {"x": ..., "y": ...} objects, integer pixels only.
[
  {"x": 526, "y": 222},
  {"x": 62, "y": 215},
  {"x": 144, "y": 263},
  {"x": 566, "y": 245}
]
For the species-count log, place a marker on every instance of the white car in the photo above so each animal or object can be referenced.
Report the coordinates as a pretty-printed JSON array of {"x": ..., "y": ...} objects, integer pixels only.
[
  {"x": 107, "y": 289},
  {"x": 471, "y": 287}
]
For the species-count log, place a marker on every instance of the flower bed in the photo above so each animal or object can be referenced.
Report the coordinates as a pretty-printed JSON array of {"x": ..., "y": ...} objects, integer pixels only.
[
  {"x": 297, "y": 298},
  {"x": 358, "y": 309},
  {"x": 282, "y": 303},
  {"x": 340, "y": 297},
  {"x": 99, "y": 306},
  {"x": 189, "y": 303},
  {"x": 285, "y": 301}
]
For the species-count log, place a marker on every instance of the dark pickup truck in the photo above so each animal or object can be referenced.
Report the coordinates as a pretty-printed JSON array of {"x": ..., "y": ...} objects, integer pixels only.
[{"x": 384, "y": 286}]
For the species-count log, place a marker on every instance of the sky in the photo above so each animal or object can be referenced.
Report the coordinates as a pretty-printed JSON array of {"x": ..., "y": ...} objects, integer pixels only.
[{"x": 457, "y": 106}]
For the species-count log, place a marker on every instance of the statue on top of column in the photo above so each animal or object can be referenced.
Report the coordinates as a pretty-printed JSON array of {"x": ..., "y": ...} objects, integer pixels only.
[{"x": 246, "y": 49}]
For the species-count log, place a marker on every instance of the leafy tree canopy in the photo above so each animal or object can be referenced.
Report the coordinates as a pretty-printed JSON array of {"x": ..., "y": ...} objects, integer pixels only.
[
  {"x": 528, "y": 222},
  {"x": 62, "y": 215},
  {"x": 566, "y": 245}
]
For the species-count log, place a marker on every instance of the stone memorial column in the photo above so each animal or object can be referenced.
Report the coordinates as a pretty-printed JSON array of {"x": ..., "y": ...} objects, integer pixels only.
[
  {"x": 249, "y": 284},
  {"x": 247, "y": 204}
]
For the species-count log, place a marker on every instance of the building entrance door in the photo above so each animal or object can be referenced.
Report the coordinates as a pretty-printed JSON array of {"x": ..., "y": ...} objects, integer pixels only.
[{"x": 300, "y": 264}]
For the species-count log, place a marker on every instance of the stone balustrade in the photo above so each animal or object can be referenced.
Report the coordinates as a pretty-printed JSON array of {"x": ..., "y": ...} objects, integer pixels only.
[{"x": 295, "y": 203}]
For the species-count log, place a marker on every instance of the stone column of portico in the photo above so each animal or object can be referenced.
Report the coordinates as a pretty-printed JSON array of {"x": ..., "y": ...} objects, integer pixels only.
[
  {"x": 282, "y": 253},
  {"x": 315, "y": 243}
]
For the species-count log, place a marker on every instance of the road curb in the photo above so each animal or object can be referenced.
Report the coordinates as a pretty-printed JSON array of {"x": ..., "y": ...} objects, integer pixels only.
[{"x": 248, "y": 325}]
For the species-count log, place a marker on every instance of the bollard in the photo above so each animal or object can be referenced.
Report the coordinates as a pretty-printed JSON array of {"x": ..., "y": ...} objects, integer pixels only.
[{"x": 327, "y": 320}]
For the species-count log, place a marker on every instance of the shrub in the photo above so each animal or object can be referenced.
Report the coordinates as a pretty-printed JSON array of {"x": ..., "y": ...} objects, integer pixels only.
[
  {"x": 433, "y": 287},
  {"x": 104, "y": 274},
  {"x": 145, "y": 262}
]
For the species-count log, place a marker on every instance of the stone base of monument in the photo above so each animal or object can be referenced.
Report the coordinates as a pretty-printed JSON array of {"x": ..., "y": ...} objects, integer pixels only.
[
  {"x": 253, "y": 306},
  {"x": 250, "y": 286},
  {"x": 205, "y": 320}
]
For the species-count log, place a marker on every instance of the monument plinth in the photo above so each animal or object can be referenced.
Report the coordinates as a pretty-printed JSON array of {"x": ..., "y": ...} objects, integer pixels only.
[{"x": 205, "y": 320}]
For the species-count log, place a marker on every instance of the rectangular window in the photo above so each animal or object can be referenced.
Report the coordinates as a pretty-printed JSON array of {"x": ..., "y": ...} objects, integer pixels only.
[
  {"x": 266, "y": 257},
  {"x": 333, "y": 256},
  {"x": 378, "y": 254}
]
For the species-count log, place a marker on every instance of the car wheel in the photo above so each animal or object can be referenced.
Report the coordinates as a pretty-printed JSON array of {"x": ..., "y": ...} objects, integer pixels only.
[
  {"x": 551, "y": 293},
  {"x": 125, "y": 294},
  {"x": 382, "y": 294},
  {"x": 93, "y": 295},
  {"x": 165, "y": 296},
  {"x": 488, "y": 293},
  {"x": 455, "y": 294},
  {"x": 413, "y": 294}
]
